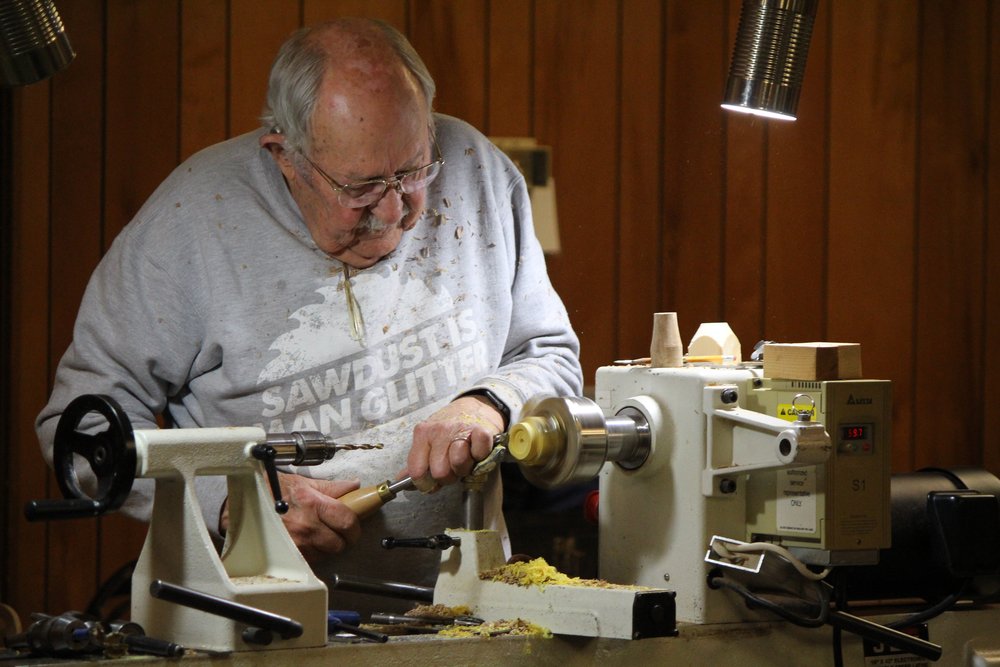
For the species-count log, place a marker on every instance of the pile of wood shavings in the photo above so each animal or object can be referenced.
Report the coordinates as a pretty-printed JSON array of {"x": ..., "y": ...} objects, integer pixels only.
[
  {"x": 537, "y": 572},
  {"x": 516, "y": 626},
  {"x": 438, "y": 611}
]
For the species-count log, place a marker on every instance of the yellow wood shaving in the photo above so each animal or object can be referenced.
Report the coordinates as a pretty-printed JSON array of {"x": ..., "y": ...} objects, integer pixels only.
[
  {"x": 537, "y": 572},
  {"x": 516, "y": 626}
]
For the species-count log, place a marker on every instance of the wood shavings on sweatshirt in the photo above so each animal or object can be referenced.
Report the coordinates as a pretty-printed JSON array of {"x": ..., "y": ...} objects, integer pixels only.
[{"x": 437, "y": 217}]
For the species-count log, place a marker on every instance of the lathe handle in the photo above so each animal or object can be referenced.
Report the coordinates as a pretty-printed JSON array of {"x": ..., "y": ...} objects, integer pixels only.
[
  {"x": 111, "y": 455},
  {"x": 266, "y": 454},
  {"x": 286, "y": 627},
  {"x": 75, "y": 508}
]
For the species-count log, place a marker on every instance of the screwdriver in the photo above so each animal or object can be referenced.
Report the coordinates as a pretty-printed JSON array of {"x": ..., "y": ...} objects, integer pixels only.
[{"x": 368, "y": 499}]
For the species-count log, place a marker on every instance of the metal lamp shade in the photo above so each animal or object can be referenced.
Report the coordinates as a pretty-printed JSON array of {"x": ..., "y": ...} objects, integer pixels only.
[
  {"x": 33, "y": 42},
  {"x": 769, "y": 59}
]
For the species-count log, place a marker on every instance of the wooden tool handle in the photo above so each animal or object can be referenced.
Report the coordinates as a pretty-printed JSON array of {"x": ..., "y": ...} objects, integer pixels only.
[{"x": 366, "y": 500}]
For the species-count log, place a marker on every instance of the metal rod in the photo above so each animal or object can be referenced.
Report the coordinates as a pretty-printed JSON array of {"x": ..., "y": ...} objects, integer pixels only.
[
  {"x": 359, "y": 632},
  {"x": 442, "y": 542},
  {"x": 472, "y": 507},
  {"x": 153, "y": 646},
  {"x": 881, "y": 633},
  {"x": 392, "y": 589},
  {"x": 404, "y": 484},
  {"x": 252, "y": 616}
]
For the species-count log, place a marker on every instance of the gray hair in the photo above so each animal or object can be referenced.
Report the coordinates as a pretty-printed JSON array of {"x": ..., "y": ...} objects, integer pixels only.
[{"x": 298, "y": 71}]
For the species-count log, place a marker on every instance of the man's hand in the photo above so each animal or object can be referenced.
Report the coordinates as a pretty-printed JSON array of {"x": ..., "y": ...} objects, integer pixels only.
[
  {"x": 449, "y": 443},
  {"x": 319, "y": 524}
]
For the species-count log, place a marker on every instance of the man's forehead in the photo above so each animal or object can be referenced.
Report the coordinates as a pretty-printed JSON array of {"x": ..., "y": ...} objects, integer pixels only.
[
  {"x": 361, "y": 161},
  {"x": 350, "y": 117}
]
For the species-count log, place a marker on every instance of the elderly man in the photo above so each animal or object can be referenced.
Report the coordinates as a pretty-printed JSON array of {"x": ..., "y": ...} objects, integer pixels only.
[{"x": 360, "y": 266}]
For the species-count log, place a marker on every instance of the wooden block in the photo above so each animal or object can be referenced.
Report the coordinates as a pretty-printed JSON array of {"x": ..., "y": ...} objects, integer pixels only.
[{"x": 812, "y": 361}]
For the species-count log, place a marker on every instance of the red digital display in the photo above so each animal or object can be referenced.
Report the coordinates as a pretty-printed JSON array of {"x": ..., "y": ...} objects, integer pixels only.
[{"x": 855, "y": 432}]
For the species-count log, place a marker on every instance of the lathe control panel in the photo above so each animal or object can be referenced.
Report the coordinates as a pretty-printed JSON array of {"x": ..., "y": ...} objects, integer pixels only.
[{"x": 838, "y": 511}]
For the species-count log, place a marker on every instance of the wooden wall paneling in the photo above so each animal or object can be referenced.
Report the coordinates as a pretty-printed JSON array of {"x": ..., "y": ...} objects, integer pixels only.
[
  {"x": 142, "y": 105},
  {"x": 640, "y": 168},
  {"x": 576, "y": 83},
  {"x": 991, "y": 242},
  {"x": 873, "y": 114},
  {"x": 142, "y": 138},
  {"x": 697, "y": 56},
  {"x": 204, "y": 106},
  {"x": 390, "y": 11},
  {"x": 509, "y": 75},
  {"x": 256, "y": 31},
  {"x": 451, "y": 38},
  {"x": 77, "y": 140},
  {"x": 7, "y": 517},
  {"x": 796, "y": 198},
  {"x": 27, "y": 477},
  {"x": 75, "y": 248},
  {"x": 745, "y": 186},
  {"x": 949, "y": 319}
]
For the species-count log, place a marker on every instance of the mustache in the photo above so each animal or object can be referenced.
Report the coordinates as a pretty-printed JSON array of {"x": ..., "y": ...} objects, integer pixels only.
[
  {"x": 371, "y": 224},
  {"x": 368, "y": 227}
]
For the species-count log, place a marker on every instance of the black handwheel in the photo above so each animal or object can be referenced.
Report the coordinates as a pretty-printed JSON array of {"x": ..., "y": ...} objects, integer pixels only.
[{"x": 110, "y": 453}]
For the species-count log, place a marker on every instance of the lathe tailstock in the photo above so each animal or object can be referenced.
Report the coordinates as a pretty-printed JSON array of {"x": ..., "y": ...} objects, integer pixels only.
[{"x": 259, "y": 593}]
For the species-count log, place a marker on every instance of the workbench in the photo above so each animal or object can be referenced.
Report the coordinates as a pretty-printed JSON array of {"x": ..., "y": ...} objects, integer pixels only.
[{"x": 968, "y": 637}]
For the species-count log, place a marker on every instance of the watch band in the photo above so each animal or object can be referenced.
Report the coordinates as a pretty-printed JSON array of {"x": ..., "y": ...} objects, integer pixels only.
[{"x": 495, "y": 401}]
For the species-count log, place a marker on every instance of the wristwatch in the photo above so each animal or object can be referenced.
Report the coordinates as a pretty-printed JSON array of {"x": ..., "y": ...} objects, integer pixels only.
[{"x": 495, "y": 401}]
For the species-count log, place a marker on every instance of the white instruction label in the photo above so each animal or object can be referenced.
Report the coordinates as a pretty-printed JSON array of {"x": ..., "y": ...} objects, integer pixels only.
[{"x": 796, "y": 500}]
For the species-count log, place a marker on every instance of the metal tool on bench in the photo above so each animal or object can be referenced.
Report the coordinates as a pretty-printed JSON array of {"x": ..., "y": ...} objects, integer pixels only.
[
  {"x": 73, "y": 634},
  {"x": 259, "y": 567}
]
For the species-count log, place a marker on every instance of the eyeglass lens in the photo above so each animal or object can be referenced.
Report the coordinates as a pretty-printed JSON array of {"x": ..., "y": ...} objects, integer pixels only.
[{"x": 363, "y": 194}]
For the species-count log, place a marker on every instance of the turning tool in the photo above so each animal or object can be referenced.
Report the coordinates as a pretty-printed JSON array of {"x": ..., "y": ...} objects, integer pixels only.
[
  {"x": 366, "y": 500},
  {"x": 429, "y": 620},
  {"x": 442, "y": 541}
]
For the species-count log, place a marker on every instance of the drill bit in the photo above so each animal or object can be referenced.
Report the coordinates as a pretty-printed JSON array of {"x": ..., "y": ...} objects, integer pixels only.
[
  {"x": 304, "y": 448},
  {"x": 351, "y": 446}
]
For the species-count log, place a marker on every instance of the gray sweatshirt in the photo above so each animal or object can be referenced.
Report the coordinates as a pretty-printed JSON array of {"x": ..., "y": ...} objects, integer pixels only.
[{"x": 215, "y": 305}]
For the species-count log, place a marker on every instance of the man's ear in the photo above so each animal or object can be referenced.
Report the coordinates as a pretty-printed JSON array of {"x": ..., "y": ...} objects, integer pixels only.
[{"x": 274, "y": 143}]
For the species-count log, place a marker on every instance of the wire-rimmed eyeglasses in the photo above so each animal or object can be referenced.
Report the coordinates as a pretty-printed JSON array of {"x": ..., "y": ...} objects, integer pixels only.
[{"x": 366, "y": 193}]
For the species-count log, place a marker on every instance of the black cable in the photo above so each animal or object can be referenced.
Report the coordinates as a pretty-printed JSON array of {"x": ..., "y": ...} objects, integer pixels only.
[
  {"x": 783, "y": 611},
  {"x": 840, "y": 604},
  {"x": 936, "y": 609},
  {"x": 853, "y": 624},
  {"x": 838, "y": 647}
]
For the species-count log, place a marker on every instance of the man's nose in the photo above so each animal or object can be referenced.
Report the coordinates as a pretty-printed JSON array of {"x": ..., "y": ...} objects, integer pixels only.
[{"x": 390, "y": 207}]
